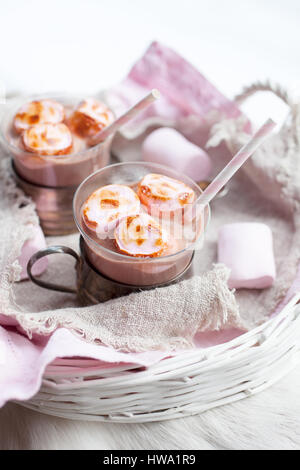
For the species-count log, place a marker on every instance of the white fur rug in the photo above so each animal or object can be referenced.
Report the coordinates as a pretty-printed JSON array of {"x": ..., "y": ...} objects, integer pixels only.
[{"x": 269, "y": 420}]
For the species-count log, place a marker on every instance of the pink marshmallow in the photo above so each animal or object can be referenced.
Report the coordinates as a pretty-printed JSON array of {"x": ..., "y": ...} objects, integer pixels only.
[
  {"x": 168, "y": 147},
  {"x": 31, "y": 246},
  {"x": 247, "y": 249}
]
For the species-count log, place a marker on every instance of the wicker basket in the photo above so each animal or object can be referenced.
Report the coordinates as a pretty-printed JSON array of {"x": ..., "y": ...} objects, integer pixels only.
[{"x": 183, "y": 385}]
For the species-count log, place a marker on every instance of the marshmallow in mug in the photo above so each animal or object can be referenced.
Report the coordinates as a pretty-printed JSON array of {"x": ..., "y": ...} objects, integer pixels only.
[
  {"x": 247, "y": 249},
  {"x": 168, "y": 147},
  {"x": 105, "y": 206}
]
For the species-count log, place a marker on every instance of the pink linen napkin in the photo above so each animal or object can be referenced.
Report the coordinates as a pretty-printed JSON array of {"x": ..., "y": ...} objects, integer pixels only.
[
  {"x": 188, "y": 100},
  {"x": 28, "y": 359}
]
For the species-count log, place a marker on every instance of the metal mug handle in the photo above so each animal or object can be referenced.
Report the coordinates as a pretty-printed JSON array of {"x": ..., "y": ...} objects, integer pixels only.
[{"x": 50, "y": 251}]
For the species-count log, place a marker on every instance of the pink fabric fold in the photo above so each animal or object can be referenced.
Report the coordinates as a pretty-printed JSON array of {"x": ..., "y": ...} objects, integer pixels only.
[{"x": 23, "y": 362}]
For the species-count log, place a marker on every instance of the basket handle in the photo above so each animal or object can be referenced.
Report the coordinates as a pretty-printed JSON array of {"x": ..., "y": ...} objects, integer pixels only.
[
  {"x": 50, "y": 251},
  {"x": 255, "y": 87}
]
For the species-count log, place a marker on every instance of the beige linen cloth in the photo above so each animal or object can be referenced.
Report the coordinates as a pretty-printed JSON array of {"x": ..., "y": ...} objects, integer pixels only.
[{"x": 266, "y": 189}]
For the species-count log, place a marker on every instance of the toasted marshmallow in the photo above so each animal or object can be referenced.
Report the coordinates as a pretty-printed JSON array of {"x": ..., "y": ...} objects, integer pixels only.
[
  {"x": 48, "y": 139},
  {"x": 160, "y": 193},
  {"x": 38, "y": 112},
  {"x": 90, "y": 117},
  {"x": 141, "y": 235},
  {"x": 105, "y": 206}
]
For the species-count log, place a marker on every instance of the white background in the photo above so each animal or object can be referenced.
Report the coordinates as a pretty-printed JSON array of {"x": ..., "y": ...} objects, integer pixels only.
[{"x": 85, "y": 45}]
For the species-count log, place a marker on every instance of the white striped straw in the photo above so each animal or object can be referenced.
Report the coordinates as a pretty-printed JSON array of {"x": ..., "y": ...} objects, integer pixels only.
[
  {"x": 235, "y": 163},
  {"x": 126, "y": 117}
]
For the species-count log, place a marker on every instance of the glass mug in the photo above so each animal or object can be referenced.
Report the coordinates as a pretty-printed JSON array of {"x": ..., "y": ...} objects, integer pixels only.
[
  {"x": 103, "y": 272},
  {"x": 51, "y": 181}
]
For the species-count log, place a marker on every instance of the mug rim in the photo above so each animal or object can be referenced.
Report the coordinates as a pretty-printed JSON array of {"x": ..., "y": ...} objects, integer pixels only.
[{"x": 132, "y": 258}]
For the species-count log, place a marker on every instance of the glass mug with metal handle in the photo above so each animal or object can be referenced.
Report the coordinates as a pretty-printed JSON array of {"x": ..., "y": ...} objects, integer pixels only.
[
  {"x": 51, "y": 180},
  {"x": 103, "y": 272}
]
